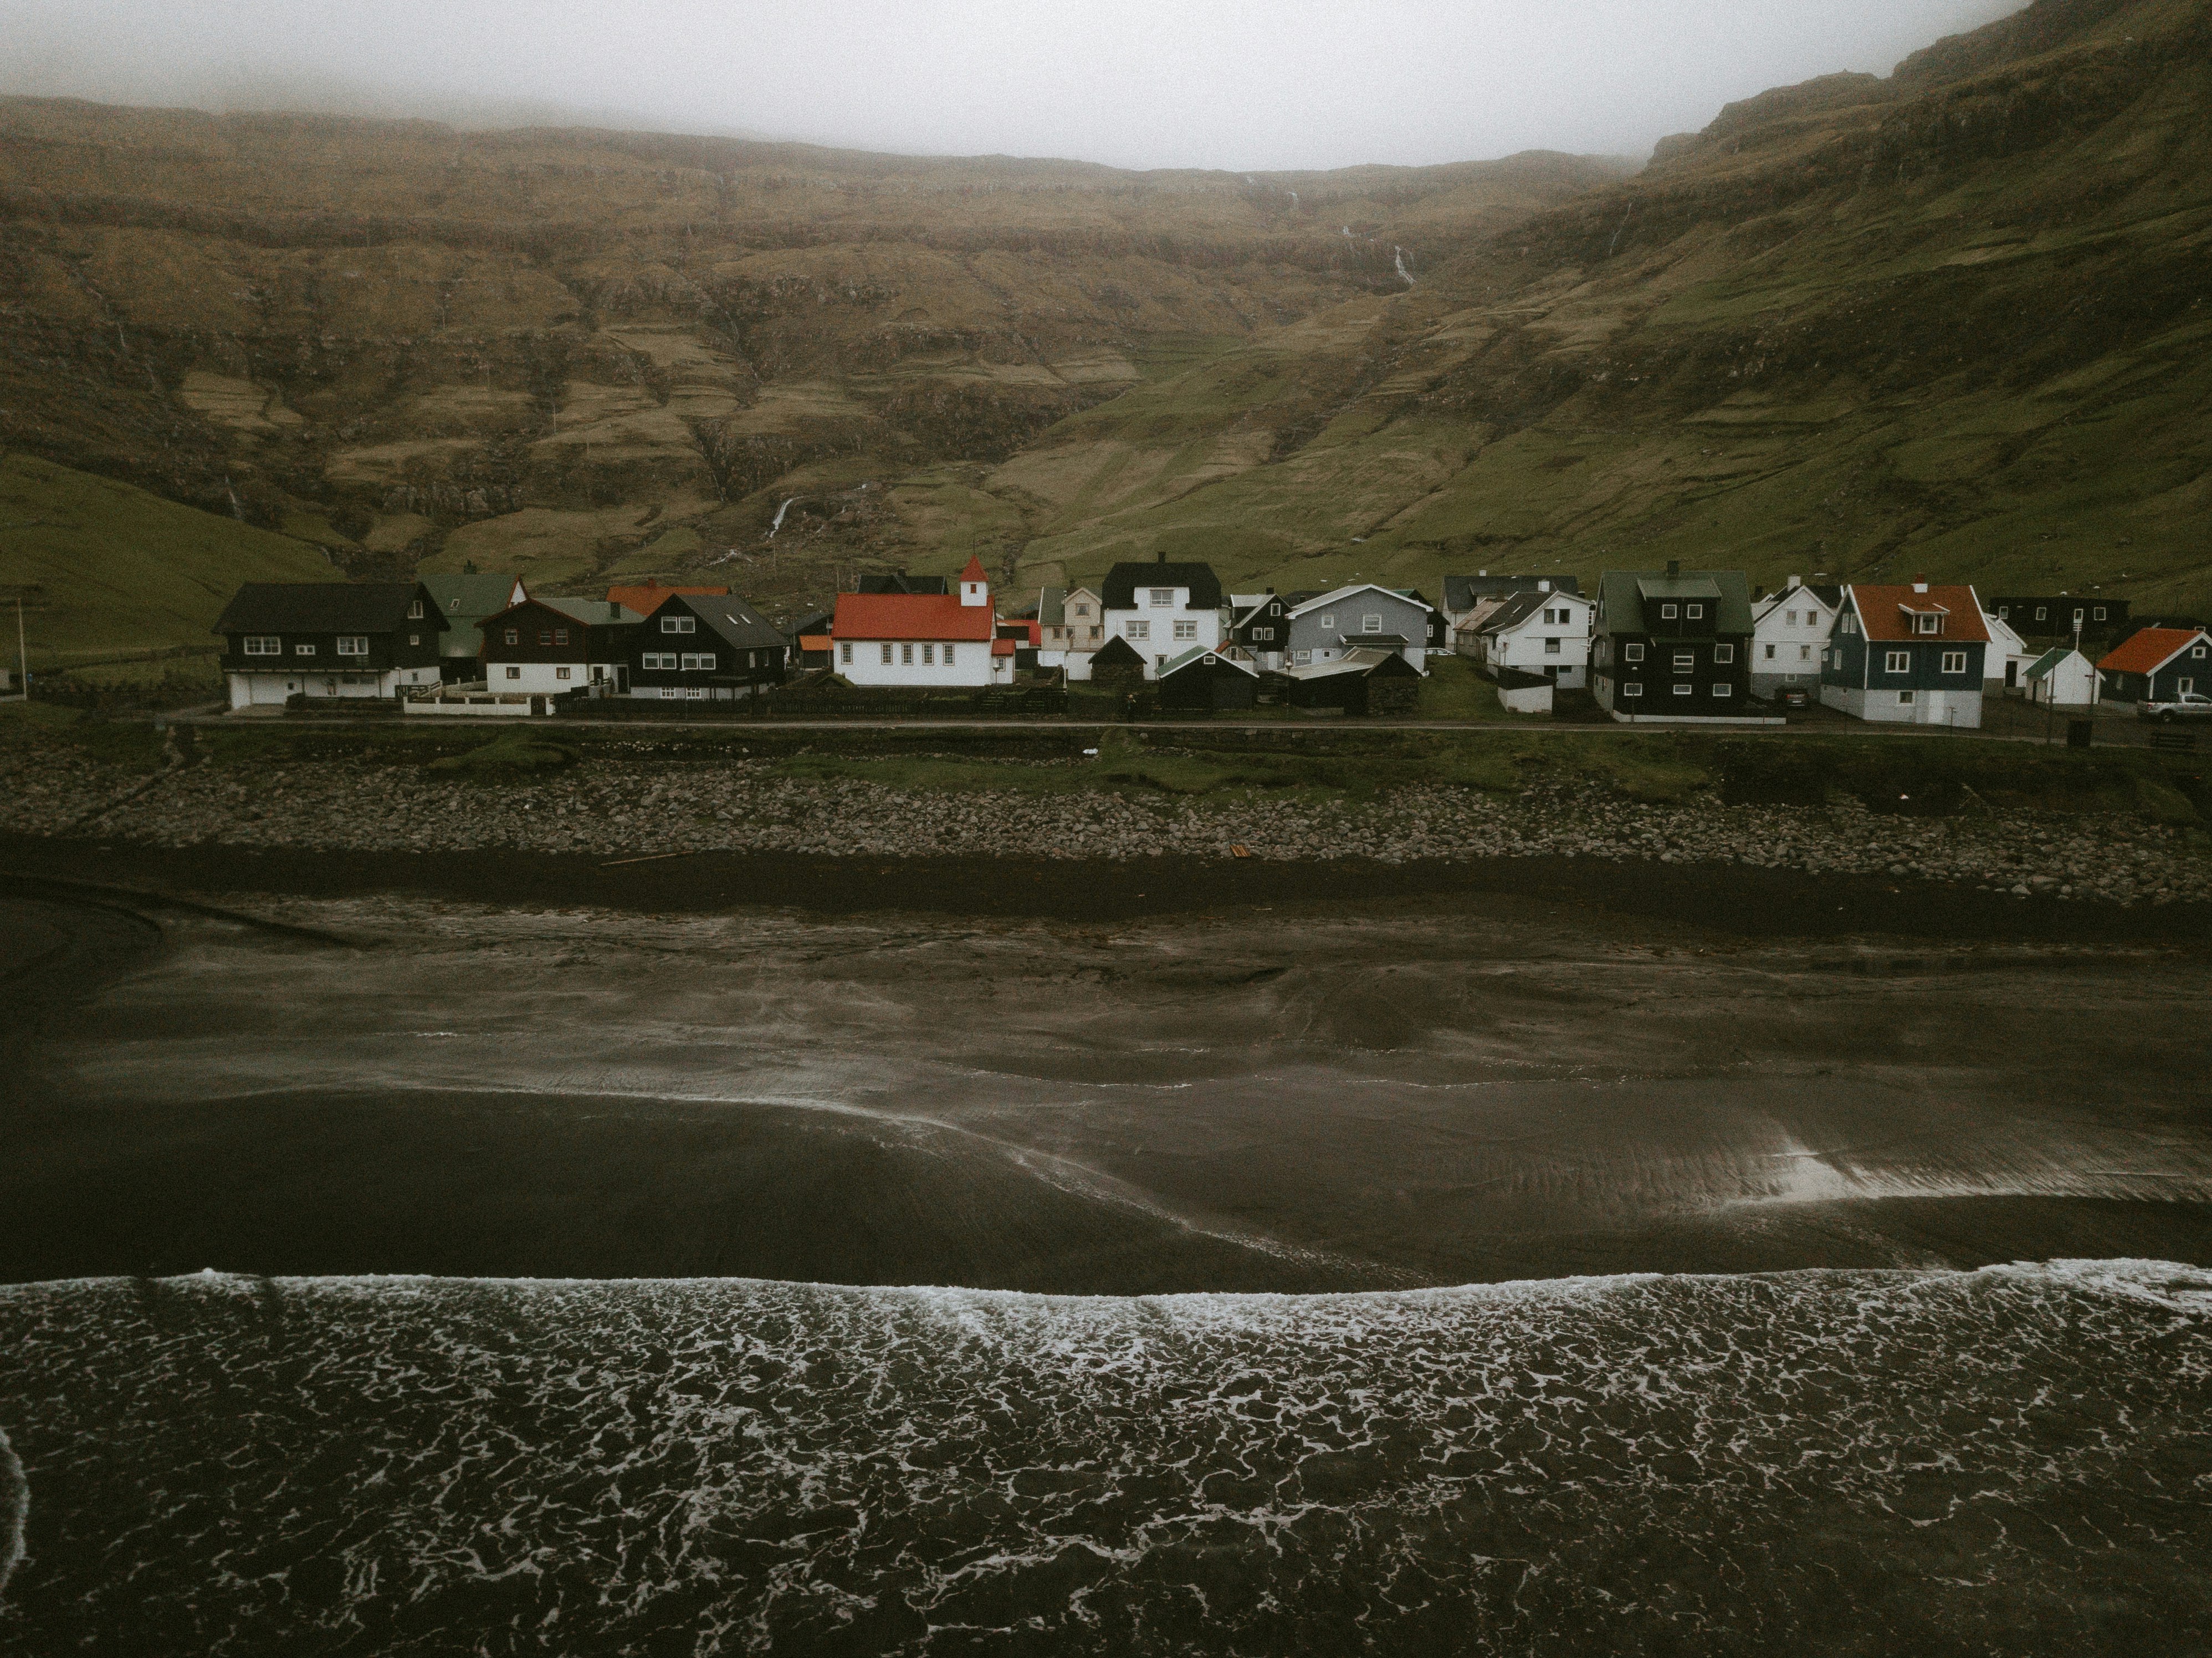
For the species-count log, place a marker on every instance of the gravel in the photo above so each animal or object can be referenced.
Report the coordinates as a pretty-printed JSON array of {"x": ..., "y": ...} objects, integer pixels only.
[{"x": 626, "y": 809}]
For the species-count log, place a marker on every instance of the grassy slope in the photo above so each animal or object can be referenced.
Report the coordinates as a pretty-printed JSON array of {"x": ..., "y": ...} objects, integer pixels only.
[
  {"x": 111, "y": 572},
  {"x": 1995, "y": 367}
]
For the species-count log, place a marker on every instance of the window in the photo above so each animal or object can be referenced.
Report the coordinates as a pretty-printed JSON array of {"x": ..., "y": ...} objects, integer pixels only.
[
  {"x": 1850, "y": 625},
  {"x": 1723, "y": 690},
  {"x": 1161, "y": 597},
  {"x": 1954, "y": 662},
  {"x": 1551, "y": 647},
  {"x": 1686, "y": 661},
  {"x": 1371, "y": 624},
  {"x": 513, "y": 637},
  {"x": 1684, "y": 690},
  {"x": 887, "y": 656},
  {"x": 703, "y": 664},
  {"x": 1159, "y": 662},
  {"x": 2198, "y": 655},
  {"x": 545, "y": 636},
  {"x": 1328, "y": 622},
  {"x": 948, "y": 656},
  {"x": 1186, "y": 630},
  {"x": 846, "y": 652},
  {"x": 2003, "y": 610},
  {"x": 303, "y": 650},
  {"x": 1632, "y": 652},
  {"x": 414, "y": 639},
  {"x": 515, "y": 673},
  {"x": 1097, "y": 629},
  {"x": 665, "y": 661},
  {"x": 2097, "y": 614},
  {"x": 929, "y": 656},
  {"x": 1898, "y": 662},
  {"x": 2041, "y": 611},
  {"x": 1302, "y": 656},
  {"x": 1138, "y": 630},
  {"x": 2182, "y": 687},
  {"x": 415, "y": 612},
  {"x": 1668, "y": 612},
  {"x": 1770, "y": 653},
  {"x": 1724, "y": 654},
  {"x": 1904, "y": 699},
  {"x": 560, "y": 635},
  {"x": 1791, "y": 617},
  {"x": 680, "y": 625},
  {"x": 1262, "y": 634},
  {"x": 906, "y": 656},
  {"x": 263, "y": 644},
  {"x": 352, "y": 644},
  {"x": 1927, "y": 624},
  {"x": 1694, "y": 612},
  {"x": 1804, "y": 652},
  {"x": 1632, "y": 691},
  {"x": 560, "y": 673},
  {"x": 1083, "y": 609},
  {"x": 453, "y": 604},
  {"x": 2077, "y": 617}
]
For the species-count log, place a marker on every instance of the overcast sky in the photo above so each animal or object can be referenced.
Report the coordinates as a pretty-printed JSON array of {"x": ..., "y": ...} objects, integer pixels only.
[{"x": 1301, "y": 83}]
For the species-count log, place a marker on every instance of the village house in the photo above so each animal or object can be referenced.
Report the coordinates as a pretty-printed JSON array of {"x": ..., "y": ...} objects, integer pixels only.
[
  {"x": 1208, "y": 679},
  {"x": 1673, "y": 645},
  {"x": 2061, "y": 678},
  {"x": 2051, "y": 616},
  {"x": 2159, "y": 665},
  {"x": 1471, "y": 598},
  {"x": 1260, "y": 625},
  {"x": 1368, "y": 679},
  {"x": 328, "y": 639},
  {"x": 1160, "y": 609},
  {"x": 928, "y": 640},
  {"x": 703, "y": 646},
  {"x": 1542, "y": 633},
  {"x": 547, "y": 647},
  {"x": 1913, "y": 654},
  {"x": 1071, "y": 623},
  {"x": 2009, "y": 655},
  {"x": 463, "y": 601},
  {"x": 1789, "y": 637},
  {"x": 806, "y": 639},
  {"x": 1363, "y": 617}
]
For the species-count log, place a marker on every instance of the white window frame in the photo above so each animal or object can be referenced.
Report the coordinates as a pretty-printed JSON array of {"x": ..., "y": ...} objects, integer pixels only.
[
  {"x": 1631, "y": 688},
  {"x": 1694, "y": 612},
  {"x": 906, "y": 656},
  {"x": 1138, "y": 630},
  {"x": 1186, "y": 629},
  {"x": 887, "y": 656},
  {"x": 263, "y": 645},
  {"x": 303, "y": 650},
  {"x": 1632, "y": 652},
  {"x": 1686, "y": 662},
  {"x": 1723, "y": 690},
  {"x": 1160, "y": 598},
  {"x": 846, "y": 648},
  {"x": 1371, "y": 624},
  {"x": 1927, "y": 624},
  {"x": 1954, "y": 662},
  {"x": 928, "y": 655},
  {"x": 947, "y": 658},
  {"x": 1551, "y": 647},
  {"x": 665, "y": 661},
  {"x": 1770, "y": 653},
  {"x": 1723, "y": 652},
  {"x": 1684, "y": 690},
  {"x": 1669, "y": 612},
  {"x": 353, "y": 645},
  {"x": 1897, "y": 662},
  {"x": 680, "y": 625}
]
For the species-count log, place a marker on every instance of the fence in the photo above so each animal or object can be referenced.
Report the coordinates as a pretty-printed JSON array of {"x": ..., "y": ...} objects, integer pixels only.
[{"x": 991, "y": 702}]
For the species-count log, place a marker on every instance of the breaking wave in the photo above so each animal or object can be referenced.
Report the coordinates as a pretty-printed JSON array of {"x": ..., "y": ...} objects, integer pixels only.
[{"x": 2018, "y": 1459}]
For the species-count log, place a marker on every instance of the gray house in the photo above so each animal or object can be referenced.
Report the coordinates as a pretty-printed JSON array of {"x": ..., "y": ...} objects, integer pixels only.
[{"x": 1361, "y": 618}]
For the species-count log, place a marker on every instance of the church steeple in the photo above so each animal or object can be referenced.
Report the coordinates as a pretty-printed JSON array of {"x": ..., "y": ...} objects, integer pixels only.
[{"x": 974, "y": 586}]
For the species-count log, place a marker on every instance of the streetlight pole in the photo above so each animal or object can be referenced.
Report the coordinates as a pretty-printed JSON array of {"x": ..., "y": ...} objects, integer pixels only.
[{"x": 23, "y": 660}]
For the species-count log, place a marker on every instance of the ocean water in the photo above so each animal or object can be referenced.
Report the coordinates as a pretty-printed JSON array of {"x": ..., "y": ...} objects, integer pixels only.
[
  {"x": 2017, "y": 1459},
  {"x": 1398, "y": 1284}
]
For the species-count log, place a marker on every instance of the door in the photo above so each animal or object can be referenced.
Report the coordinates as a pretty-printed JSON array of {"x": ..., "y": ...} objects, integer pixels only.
[{"x": 2012, "y": 676}]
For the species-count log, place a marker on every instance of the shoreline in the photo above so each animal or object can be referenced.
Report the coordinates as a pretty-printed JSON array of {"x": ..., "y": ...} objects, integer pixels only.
[{"x": 1727, "y": 900}]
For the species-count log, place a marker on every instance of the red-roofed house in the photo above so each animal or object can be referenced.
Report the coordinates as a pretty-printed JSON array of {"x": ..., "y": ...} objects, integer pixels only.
[
  {"x": 2158, "y": 665},
  {"x": 645, "y": 598},
  {"x": 919, "y": 639},
  {"x": 1911, "y": 654}
]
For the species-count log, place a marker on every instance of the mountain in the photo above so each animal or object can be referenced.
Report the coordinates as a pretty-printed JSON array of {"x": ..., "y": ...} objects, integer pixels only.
[
  {"x": 1954, "y": 320},
  {"x": 1951, "y": 319},
  {"x": 587, "y": 353}
]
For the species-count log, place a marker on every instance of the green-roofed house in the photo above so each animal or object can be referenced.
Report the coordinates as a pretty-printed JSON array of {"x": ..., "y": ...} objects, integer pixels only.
[
  {"x": 1673, "y": 644},
  {"x": 463, "y": 601}
]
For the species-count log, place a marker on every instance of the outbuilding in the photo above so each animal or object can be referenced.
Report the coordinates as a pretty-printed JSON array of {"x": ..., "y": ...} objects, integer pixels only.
[
  {"x": 1361, "y": 681},
  {"x": 1206, "y": 679},
  {"x": 2063, "y": 677}
]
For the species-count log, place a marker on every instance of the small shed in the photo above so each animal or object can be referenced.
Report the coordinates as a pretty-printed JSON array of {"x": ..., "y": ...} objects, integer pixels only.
[
  {"x": 1359, "y": 682},
  {"x": 1204, "y": 680},
  {"x": 2063, "y": 679},
  {"x": 1524, "y": 692},
  {"x": 1116, "y": 663}
]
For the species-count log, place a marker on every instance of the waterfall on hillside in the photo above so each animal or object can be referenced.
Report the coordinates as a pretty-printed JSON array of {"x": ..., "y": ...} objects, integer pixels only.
[
  {"x": 779, "y": 512},
  {"x": 1402, "y": 271},
  {"x": 237, "y": 509}
]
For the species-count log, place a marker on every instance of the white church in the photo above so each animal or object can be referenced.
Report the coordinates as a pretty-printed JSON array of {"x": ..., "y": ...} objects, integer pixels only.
[{"x": 922, "y": 639}]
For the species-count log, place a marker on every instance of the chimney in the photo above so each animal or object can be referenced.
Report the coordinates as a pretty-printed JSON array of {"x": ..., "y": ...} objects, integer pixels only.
[
  {"x": 1482, "y": 573},
  {"x": 1543, "y": 587},
  {"x": 1674, "y": 567},
  {"x": 1920, "y": 584},
  {"x": 1794, "y": 583}
]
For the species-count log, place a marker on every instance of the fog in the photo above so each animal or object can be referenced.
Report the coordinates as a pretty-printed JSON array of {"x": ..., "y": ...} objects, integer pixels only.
[{"x": 1150, "y": 83}]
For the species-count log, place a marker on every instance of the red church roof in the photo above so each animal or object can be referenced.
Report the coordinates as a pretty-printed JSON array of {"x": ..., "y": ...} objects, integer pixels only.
[
  {"x": 1887, "y": 613},
  {"x": 975, "y": 570},
  {"x": 910, "y": 616},
  {"x": 2148, "y": 650}
]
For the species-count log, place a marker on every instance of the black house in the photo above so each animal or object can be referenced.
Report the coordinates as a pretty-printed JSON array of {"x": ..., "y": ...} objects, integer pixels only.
[
  {"x": 1202, "y": 680},
  {"x": 703, "y": 647},
  {"x": 328, "y": 639},
  {"x": 1672, "y": 645},
  {"x": 2060, "y": 615},
  {"x": 1263, "y": 625},
  {"x": 898, "y": 581}
]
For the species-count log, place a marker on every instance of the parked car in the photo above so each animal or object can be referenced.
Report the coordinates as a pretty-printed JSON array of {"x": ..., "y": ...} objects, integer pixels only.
[
  {"x": 2189, "y": 705},
  {"x": 1794, "y": 696}
]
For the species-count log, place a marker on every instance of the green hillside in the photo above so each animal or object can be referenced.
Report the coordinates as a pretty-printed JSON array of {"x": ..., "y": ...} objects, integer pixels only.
[
  {"x": 112, "y": 572},
  {"x": 1956, "y": 320}
]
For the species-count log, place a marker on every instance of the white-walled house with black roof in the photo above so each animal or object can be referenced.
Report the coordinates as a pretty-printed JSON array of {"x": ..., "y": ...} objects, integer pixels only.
[
  {"x": 328, "y": 640},
  {"x": 1160, "y": 609}
]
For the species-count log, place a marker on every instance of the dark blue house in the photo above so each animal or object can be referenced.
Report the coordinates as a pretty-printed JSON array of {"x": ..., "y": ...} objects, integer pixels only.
[{"x": 1913, "y": 654}]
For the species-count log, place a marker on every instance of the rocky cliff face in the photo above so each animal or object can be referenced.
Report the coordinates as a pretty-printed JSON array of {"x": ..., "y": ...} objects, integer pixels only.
[{"x": 578, "y": 352}]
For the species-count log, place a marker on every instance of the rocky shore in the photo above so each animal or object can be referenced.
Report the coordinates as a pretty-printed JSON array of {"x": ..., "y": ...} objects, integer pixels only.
[{"x": 622, "y": 809}]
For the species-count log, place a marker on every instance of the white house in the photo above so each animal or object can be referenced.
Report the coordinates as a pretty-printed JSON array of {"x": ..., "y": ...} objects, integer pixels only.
[
  {"x": 919, "y": 639},
  {"x": 1162, "y": 610},
  {"x": 1789, "y": 637},
  {"x": 2009, "y": 658},
  {"x": 2061, "y": 678},
  {"x": 1540, "y": 633},
  {"x": 1071, "y": 623}
]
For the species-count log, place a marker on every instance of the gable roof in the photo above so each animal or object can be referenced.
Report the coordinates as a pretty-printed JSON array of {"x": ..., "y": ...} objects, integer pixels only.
[
  {"x": 1828, "y": 597},
  {"x": 1518, "y": 609},
  {"x": 1338, "y": 595},
  {"x": 813, "y": 622},
  {"x": 1358, "y": 661},
  {"x": 973, "y": 570},
  {"x": 1117, "y": 651},
  {"x": 1621, "y": 594},
  {"x": 736, "y": 622},
  {"x": 898, "y": 581},
  {"x": 1199, "y": 653},
  {"x": 1460, "y": 591},
  {"x": 467, "y": 598},
  {"x": 591, "y": 612},
  {"x": 1118, "y": 591},
  {"x": 645, "y": 598},
  {"x": 2052, "y": 659},
  {"x": 324, "y": 607},
  {"x": 1883, "y": 610},
  {"x": 910, "y": 616},
  {"x": 1052, "y": 606},
  {"x": 2151, "y": 649}
]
